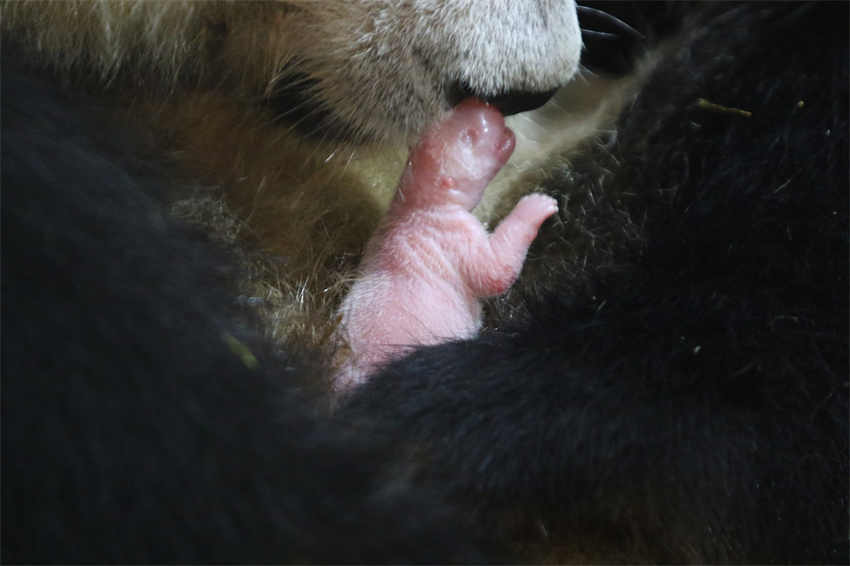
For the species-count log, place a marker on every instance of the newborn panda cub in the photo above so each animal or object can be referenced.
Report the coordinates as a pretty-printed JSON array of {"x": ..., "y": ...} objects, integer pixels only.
[{"x": 431, "y": 261}]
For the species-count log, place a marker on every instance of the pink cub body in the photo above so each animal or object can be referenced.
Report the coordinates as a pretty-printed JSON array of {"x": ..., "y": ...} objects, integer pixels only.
[{"x": 431, "y": 261}]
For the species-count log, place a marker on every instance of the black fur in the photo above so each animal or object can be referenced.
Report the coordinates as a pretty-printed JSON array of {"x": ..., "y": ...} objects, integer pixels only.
[
  {"x": 674, "y": 389},
  {"x": 143, "y": 419}
]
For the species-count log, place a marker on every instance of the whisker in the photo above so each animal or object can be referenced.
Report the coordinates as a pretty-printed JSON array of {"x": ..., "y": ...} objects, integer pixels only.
[
  {"x": 593, "y": 34},
  {"x": 606, "y": 18}
]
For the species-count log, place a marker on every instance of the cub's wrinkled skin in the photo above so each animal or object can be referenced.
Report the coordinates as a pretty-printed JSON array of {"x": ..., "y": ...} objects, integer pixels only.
[{"x": 431, "y": 262}]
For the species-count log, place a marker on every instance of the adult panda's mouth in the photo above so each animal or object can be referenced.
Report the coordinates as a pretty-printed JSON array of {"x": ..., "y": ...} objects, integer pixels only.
[
  {"x": 508, "y": 103},
  {"x": 294, "y": 103}
]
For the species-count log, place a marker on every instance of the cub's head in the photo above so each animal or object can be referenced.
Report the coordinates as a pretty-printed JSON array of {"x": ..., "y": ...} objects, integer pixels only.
[{"x": 373, "y": 69}]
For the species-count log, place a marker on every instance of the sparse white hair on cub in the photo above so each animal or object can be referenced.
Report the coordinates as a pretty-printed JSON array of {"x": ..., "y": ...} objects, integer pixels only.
[{"x": 380, "y": 67}]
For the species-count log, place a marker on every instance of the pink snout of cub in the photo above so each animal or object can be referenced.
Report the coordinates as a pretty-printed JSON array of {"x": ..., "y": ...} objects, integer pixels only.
[
  {"x": 457, "y": 158},
  {"x": 431, "y": 261}
]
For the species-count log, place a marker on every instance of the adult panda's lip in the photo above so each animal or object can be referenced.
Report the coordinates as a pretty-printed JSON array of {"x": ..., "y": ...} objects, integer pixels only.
[{"x": 508, "y": 103}]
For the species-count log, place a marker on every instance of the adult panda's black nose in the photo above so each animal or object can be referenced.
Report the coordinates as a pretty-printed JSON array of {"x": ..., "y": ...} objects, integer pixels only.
[{"x": 511, "y": 102}]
